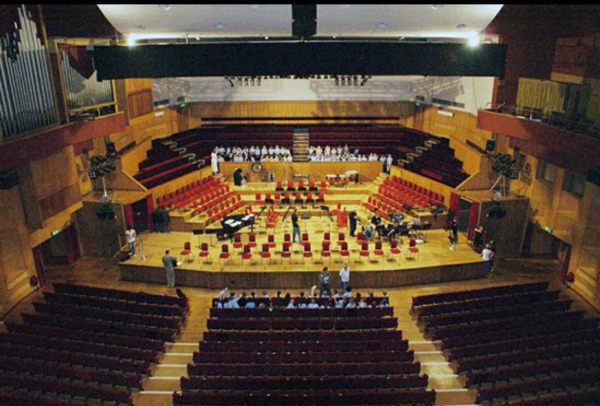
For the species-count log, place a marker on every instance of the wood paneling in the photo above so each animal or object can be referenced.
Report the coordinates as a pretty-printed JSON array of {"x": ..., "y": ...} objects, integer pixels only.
[
  {"x": 284, "y": 171},
  {"x": 139, "y": 103},
  {"x": 402, "y": 111},
  {"x": 16, "y": 260}
]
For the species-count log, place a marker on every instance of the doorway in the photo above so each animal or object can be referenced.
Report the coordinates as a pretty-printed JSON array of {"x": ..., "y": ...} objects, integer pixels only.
[
  {"x": 540, "y": 243},
  {"x": 61, "y": 249},
  {"x": 140, "y": 215}
]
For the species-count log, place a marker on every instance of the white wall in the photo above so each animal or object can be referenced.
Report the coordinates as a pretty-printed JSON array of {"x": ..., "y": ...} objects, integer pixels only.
[{"x": 473, "y": 92}]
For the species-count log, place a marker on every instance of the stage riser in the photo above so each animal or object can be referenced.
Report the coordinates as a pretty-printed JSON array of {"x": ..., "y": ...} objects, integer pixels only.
[{"x": 297, "y": 280}]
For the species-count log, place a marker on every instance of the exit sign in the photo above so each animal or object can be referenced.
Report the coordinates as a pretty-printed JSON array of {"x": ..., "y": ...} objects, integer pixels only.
[
  {"x": 55, "y": 232},
  {"x": 548, "y": 229}
]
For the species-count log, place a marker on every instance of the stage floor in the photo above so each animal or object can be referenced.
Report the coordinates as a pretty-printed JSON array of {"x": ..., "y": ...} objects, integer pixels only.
[{"x": 434, "y": 263}]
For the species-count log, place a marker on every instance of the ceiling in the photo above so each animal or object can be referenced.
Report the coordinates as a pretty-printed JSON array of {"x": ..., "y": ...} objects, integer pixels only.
[{"x": 143, "y": 21}]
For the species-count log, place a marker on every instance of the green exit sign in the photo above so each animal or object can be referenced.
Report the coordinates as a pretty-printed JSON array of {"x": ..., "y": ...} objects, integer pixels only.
[
  {"x": 548, "y": 229},
  {"x": 55, "y": 232}
]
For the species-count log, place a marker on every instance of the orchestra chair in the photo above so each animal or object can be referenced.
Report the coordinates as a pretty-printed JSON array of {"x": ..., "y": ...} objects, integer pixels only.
[
  {"x": 268, "y": 198},
  {"x": 301, "y": 186},
  {"x": 327, "y": 237},
  {"x": 252, "y": 240},
  {"x": 265, "y": 253},
  {"x": 278, "y": 186},
  {"x": 286, "y": 198},
  {"x": 287, "y": 238},
  {"x": 307, "y": 252},
  {"x": 258, "y": 199},
  {"x": 394, "y": 250},
  {"x": 304, "y": 237},
  {"x": 271, "y": 241},
  {"x": 325, "y": 250},
  {"x": 413, "y": 252},
  {"x": 341, "y": 238},
  {"x": 224, "y": 255},
  {"x": 298, "y": 199},
  {"x": 321, "y": 197},
  {"x": 360, "y": 238},
  {"x": 364, "y": 252},
  {"x": 309, "y": 198},
  {"x": 378, "y": 251},
  {"x": 312, "y": 187},
  {"x": 237, "y": 241},
  {"x": 278, "y": 199},
  {"x": 290, "y": 186},
  {"x": 186, "y": 253},
  {"x": 285, "y": 251},
  {"x": 204, "y": 253},
  {"x": 246, "y": 254},
  {"x": 344, "y": 253}
]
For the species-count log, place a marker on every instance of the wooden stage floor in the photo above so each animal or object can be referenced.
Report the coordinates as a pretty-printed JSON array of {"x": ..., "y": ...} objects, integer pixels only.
[{"x": 435, "y": 263}]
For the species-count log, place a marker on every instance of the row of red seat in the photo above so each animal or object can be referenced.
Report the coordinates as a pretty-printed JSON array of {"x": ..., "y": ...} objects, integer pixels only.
[
  {"x": 404, "y": 187},
  {"x": 12, "y": 397},
  {"x": 198, "y": 189},
  {"x": 278, "y": 199},
  {"x": 138, "y": 297},
  {"x": 300, "y": 397},
  {"x": 323, "y": 335},
  {"x": 477, "y": 293},
  {"x": 301, "y": 313},
  {"x": 326, "y": 323},
  {"x": 60, "y": 387},
  {"x": 585, "y": 396},
  {"x": 304, "y": 382},
  {"x": 224, "y": 205},
  {"x": 116, "y": 304},
  {"x": 486, "y": 302},
  {"x": 294, "y": 346},
  {"x": 288, "y": 357}
]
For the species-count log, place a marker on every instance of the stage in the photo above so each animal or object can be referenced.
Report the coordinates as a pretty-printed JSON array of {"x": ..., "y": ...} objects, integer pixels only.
[{"x": 434, "y": 263}]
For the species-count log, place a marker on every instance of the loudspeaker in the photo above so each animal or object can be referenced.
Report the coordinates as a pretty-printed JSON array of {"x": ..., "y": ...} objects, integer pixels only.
[
  {"x": 594, "y": 176},
  {"x": 9, "y": 179},
  {"x": 304, "y": 11},
  {"x": 490, "y": 145}
]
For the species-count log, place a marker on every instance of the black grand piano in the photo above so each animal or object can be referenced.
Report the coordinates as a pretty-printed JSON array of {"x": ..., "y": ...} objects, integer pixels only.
[{"x": 232, "y": 224}]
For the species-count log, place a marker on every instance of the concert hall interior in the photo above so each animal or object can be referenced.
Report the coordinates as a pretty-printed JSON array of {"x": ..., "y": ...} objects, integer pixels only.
[{"x": 175, "y": 178}]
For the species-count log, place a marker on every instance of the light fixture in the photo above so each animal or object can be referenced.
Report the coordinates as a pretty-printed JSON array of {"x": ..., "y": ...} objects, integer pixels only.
[
  {"x": 219, "y": 26},
  {"x": 461, "y": 26},
  {"x": 381, "y": 25},
  {"x": 131, "y": 40},
  {"x": 254, "y": 6},
  {"x": 437, "y": 6},
  {"x": 164, "y": 7},
  {"x": 473, "y": 41}
]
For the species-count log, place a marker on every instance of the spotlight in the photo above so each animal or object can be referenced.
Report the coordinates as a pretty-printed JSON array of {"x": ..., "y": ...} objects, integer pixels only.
[
  {"x": 227, "y": 78},
  {"x": 473, "y": 41},
  {"x": 364, "y": 80}
]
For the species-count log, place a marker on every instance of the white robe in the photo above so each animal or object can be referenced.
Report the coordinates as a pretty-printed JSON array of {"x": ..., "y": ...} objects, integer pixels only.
[{"x": 214, "y": 162}]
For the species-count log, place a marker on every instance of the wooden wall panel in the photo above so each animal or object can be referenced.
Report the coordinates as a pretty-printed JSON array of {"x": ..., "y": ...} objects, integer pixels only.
[
  {"x": 303, "y": 109},
  {"x": 139, "y": 103},
  {"x": 16, "y": 259}
]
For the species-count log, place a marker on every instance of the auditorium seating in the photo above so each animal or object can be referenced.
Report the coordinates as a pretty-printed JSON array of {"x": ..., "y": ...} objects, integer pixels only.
[
  {"x": 517, "y": 344},
  {"x": 296, "y": 356},
  {"x": 86, "y": 344}
]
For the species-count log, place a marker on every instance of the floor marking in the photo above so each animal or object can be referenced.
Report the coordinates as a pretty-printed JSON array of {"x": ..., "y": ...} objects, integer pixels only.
[
  {"x": 443, "y": 376},
  {"x": 156, "y": 392},
  {"x": 173, "y": 365},
  {"x": 179, "y": 353},
  {"x": 427, "y": 352},
  {"x": 452, "y": 390},
  {"x": 164, "y": 378},
  {"x": 181, "y": 343},
  {"x": 435, "y": 363}
]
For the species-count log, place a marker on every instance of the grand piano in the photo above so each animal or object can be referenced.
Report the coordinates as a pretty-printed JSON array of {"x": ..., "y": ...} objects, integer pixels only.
[{"x": 232, "y": 224}]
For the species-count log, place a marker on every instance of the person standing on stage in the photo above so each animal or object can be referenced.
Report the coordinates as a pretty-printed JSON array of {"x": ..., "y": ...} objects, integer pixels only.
[
  {"x": 352, "y": 222},
  {"x": 487, "y": 255},
  {"x": 214, "y": 162},
  {"x": 130, "y": 237},
  {"x": 295, "y": 228},
  {"x": 345, "y": 277},
  {"x": 170, "y": 262},
  {"x": 325, "y": 277}
]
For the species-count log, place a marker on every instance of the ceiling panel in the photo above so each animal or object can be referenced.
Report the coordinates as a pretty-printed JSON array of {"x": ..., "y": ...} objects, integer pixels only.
[
  {"x": 205, "y": 20},
  {"x": 408, "y": 20}
]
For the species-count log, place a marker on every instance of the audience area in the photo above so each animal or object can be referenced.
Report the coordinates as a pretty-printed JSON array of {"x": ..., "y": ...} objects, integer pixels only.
[
  {"x": 517, "y": 345},
  {"x": 86, "y": 344},
  {"x": 275, "y": 355}
]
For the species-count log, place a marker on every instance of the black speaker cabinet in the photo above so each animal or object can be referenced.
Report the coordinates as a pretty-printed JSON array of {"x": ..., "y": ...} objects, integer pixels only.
[
  {"x": 594, "y": 176},
  {"x": 8, "y": 179},
  {"x": 490, "y": 145}
]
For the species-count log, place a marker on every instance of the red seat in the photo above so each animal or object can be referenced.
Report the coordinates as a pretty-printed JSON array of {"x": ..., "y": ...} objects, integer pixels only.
[
  {"x": 246, "y": 254},
  {"x": 286, "y": 253},
  {"x": 287, "y": 238},
  {"x": 344, "y": 249},
  {"x": 298, "y": 198},
  {"x": 364, "y": 250},
  {"x": 252, "y": 240},
  {"x": 378, "y": 249},
  {"x": 237, "y": 240},
  {"x": 203, "y": 250},
  {"x": 224, "y": 255},
  {"x": 187, "y": 250},
  {"x": 271, "y": 240},
  {"x": 326, "y": 236},
  {"x": 307, "y": 251},
  {"x": 265, "y": 252},
  {"x": 304, "y": 237},
  {"x": 341, "y": 238},
  {"x": 325, "y": 250}
]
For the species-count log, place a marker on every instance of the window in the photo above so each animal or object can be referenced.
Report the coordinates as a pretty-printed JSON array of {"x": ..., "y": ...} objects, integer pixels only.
[
  {"x": 573, "y": 183},
  {"x": 546, "y": 172}
]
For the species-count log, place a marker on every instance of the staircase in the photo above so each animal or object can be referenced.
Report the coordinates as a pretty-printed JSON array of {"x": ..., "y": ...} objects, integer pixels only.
[
  {"x": 182, "y": 151},
  {"x": 301, "y": 141}
]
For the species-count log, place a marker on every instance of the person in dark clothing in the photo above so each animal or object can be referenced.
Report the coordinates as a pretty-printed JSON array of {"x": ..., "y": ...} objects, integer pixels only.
[
  {"x": 295, "y": 228},
  {"x": 352, "y": 222}
]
